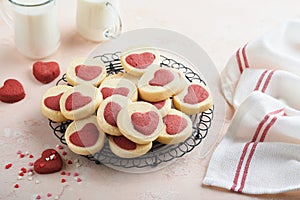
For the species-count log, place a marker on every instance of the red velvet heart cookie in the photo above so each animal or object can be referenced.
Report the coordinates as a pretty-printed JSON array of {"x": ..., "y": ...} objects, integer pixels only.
[
  {"x": 49, "y": 162},
  {"x": 45, "y": 72},
  {"x": 137, "y": 61},
  {"x": 12, "y": 91}
]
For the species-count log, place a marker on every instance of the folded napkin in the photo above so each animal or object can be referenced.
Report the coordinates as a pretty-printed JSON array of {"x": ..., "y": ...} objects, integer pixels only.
[
  {"x": 277, "y": 49},
  {"x": 260, "y": 152}
]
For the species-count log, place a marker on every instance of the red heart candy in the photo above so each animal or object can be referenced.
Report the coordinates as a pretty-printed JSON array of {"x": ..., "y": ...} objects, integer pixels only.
[
  {"x": 145, "y": 123},
  {"x": 161, "y": 78},
  {"x": 45, "y": 72},
  {"x": 196, "y": 94},
  {"x": 87, "y": 73},
  {"x": 107, "y": 92},
  {"x": 174, "y": 124},
  {"x": 12, "y": 91},
  {"x": 140, "y": 61},
  {"x": 49, "y": 162},
  {"x": 86, "y": 137},
  {"x": 53, "y": 102},
  {"x": 111, "y": 112},
  {"x": 124, "y": 143},
  {"x": 76, "y": 100}
]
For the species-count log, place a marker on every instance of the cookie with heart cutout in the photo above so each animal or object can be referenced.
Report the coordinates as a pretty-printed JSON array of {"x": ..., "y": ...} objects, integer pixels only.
[
  {"x": 159, "y": 84},
  {"x": 118, "y": 86},
  {"x": 137, "y": 61},
  {"x": 194, "y": 99},
  {"x": 163, "y": 106},
  {"x": 178, "y": 127},
  {"x": 140, "y": 122},
  {"x": 80, "y": 101},
  {"x": 86, "y": 71},
  {"x": 12, "y": 91},
  {"x": 108, "y": 111},
  {"x": 45, "y": 72},
  {"x": 85, "y": 137},
  {"x": 49, "y": 162},
  {"x": 50, "y": 105},
  {"x": 125, "y": 148}
]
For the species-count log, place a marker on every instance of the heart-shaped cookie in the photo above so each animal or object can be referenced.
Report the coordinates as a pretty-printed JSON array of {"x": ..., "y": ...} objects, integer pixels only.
[
  {"x": 76, "y": 100},
  {"x": 53, "y": 102},
  {"x": 12, "y": 91},
  {"x": 45, "y": 72},
  {"x": 174, "y": 124},
  {"x": 107, "y": 92},
  {"x": 161, "y": 78},
  {"x": 86, "y": 137},
  {"x": 195, "y": 94},
  {"x": 145, "y": 123},
  {"x": 87, "y": 73},
  {"x": 140, "y": 61},
  {"x": 111, "y": 112},
  {"x": 49, "y": 162}
]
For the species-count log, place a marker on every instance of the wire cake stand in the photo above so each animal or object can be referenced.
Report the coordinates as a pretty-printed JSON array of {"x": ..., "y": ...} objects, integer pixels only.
[{"x": 160, "y": 154}]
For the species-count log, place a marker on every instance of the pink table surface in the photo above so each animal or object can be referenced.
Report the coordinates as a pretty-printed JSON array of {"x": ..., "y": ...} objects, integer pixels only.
[{"x": 219, "y": 26}]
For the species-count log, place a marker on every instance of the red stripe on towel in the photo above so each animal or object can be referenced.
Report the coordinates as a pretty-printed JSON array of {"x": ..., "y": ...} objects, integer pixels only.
[
  {"x": 238, "y": 58},
  {"x": 255, "y": 136},
  {"x": 245, "y": 56},
  {"x": 260, "y": 79},
  {"x": 268, "y": 81}
]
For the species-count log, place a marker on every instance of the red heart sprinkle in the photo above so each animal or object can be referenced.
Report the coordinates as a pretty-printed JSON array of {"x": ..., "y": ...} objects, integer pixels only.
[
  {"x": 12, "y": 91},
  {"x": 161, "y": 78},
  {"x": 30, "y": 156},
  {"x": 76, "y": 100},
  {"x": 8, "y": 166},
  {"x": 23, "y": 169},
  {"x": 16, "y": 185},
  {"x": 63, "y": 180},
  {"x": 70, "y": 162},
  {"x": 22, "y": 155},
  {"x": 45, "y": 72},
  {"x": 87, "y": 73},
  {"x": 63, "y": 173},
  {"x": 145, "y": 123},
  {"x": 140, "y": 61}
]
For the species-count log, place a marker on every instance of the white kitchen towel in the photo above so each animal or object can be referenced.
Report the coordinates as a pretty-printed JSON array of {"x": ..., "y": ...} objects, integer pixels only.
[
  {"x": 260, "y": 153},
  {"x": 282, "y": 85},
  {"x": 277, "y": 49}
]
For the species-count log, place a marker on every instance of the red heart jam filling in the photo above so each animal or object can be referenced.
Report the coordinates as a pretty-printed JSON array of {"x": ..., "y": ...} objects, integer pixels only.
[
  {"x": 159, "y": 104},
  {"x": 111, "y": 112},
  {"x": 145, "y": 123},
  {"x": 174, "y": 124},
  {"x": 196, "y": 94},
  {"x": 53, "y": 102},
  {"x": 124, "y": 143},
  {"x": 140, "y": 61},
  {"x": 86, "y": 137},
  {"x": 87, "y": 73},
  {"x": 107, "y": 92},
  {"x": 76, "y": 100},
  {"x": 161, "y": 78},
  {"x": 12, "y": 91},
  {"x": 49, "y": 162}
]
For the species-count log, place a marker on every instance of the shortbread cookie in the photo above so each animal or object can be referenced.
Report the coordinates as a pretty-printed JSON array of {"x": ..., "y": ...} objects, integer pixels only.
[
  {"x": 87, "y": 71},
  {"x": 49, "y": 162},
  {"x": 80, "y": 101},
  {"x": 50, "y": 103},
  {"x": 108, "y": 112},
  {"x": 194, "y": 99},
  {"x": 140, "y": 122},
  {"x": 125, "y": 148},
  {"x": 120, "y": 86},
  {"x": 137, "y": 61},
  {"x": 163, "y": 106},
  {"x": 159, "y": 84},
  {"x": 84, "y": 136},
  {"x": 178, "y": 127},
  {"x": 133, "y": 79}
]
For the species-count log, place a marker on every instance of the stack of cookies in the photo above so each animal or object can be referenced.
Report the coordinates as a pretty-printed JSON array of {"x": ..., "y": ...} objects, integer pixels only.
[{"x": 146, "y": 103}]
